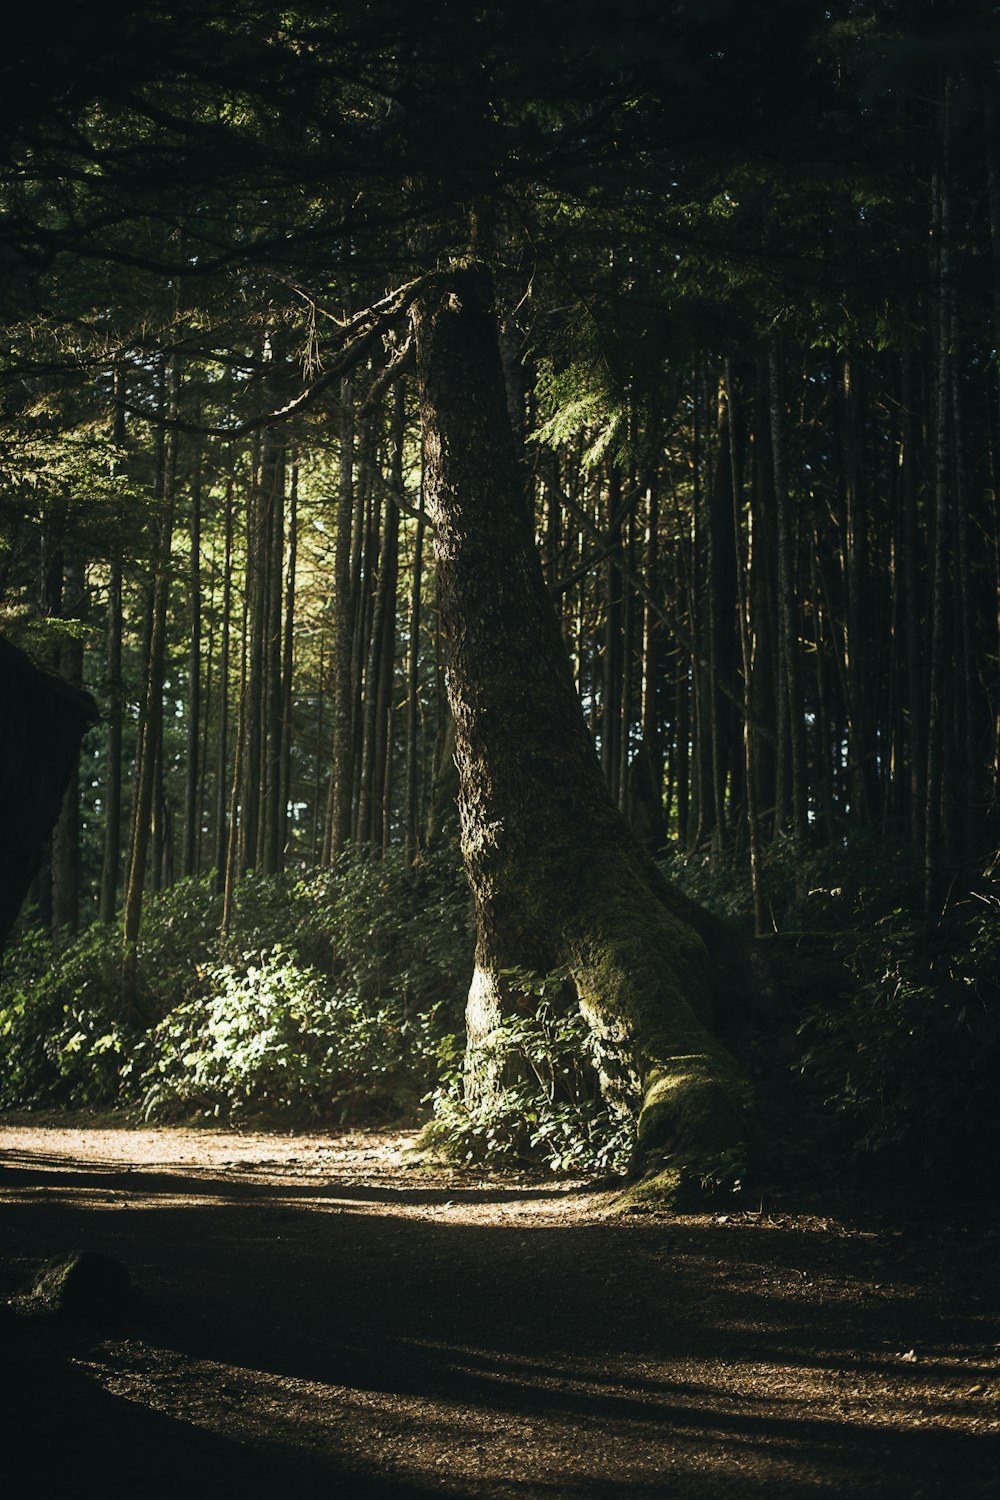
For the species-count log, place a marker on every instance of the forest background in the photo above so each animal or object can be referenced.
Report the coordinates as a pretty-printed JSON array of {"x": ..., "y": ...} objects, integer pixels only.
[{"x": 747, "y": 280}]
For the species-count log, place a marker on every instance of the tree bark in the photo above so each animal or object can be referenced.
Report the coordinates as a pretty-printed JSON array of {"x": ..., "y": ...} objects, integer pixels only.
[
  {"x": 272, "y": 700},
  {"x": 252, "y": 690},
  {"x": 221, "y": 824},
  {"x": 385, "y": 610},
  {"x": 411, "y": 834},
  {"x": 788, "y": 612},
  {"x": 288, "y": 665},
  {"x": 933, "y": 831},
  {"x": 557, "y": 876},
  {"x": 111, "y": 861},
  {"x": 192, "y": 808},
  {"x": 746, "y": 652},
  {"x": 338, "y": 829},
  {"x": 66, "y": 835},
  {"x": 153, "y": 720}
]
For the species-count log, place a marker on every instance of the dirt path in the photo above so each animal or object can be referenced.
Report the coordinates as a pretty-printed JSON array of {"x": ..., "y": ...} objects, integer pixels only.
[{"x": 318, "y": 1318}]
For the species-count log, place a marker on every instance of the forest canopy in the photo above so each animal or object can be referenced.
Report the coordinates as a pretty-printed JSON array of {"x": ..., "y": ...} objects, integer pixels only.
[{"x": 743, "y": 265}]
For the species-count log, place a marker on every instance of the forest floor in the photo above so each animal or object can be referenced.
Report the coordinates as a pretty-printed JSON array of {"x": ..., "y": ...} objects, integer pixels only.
[{"x": 314, "y": 1315}]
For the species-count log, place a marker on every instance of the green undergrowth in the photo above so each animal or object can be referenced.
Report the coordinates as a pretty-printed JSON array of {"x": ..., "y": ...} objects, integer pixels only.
[
  {"x": 333, "y": 997},
  {"x": 336, "y": 997},
  {"x": 551, "y": 1112},
  {"x": 890, "y": 1027},
  {"x": 339, "y": 996}
]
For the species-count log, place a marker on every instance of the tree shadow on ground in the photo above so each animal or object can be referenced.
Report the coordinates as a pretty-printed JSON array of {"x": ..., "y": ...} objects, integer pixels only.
[
  {"x": 21, "y": 1169},
  {"x": 64, "y": 1435},
  {"x": 689, "y": 1358}
]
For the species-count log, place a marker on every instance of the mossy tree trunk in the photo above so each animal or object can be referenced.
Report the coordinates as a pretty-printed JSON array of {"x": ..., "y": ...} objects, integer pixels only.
[{"x": 558, "y": 878}]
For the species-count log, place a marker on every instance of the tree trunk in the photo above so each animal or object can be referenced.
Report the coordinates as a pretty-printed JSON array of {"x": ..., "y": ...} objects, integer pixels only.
[
  {"x": 364, "y": 561},
  {"x": 66, "y": 835},
  {"x": 612, "y": 659},
  {"x": 411, "y": 834},
  {"x": 933, "y": 831},
  {"x": 153, "y": 720},
  {"x": 192, "y": 808},
  {"x": 111, "y": 861},
  {"x": 221, "y": 825},
  {"x": 272, "y": 701},
  {"x": 232, "y": 867},
  {"x": 288, "y": 666},
  {"x": 910, "y": 568},
  {"x": 385, "y": 613},
  {"x": 338, "y": 829},
  {"x": 746, "y": 653},
  {"x": 110, "y": 867},
  {"x": 787, "y": 610},
  {"x": 557, "y": 876},
  {"x": 252, "y": 690}
]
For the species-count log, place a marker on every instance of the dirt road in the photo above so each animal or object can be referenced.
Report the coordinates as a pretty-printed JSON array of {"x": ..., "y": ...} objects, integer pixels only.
[{"x": 316, "y": 1317}]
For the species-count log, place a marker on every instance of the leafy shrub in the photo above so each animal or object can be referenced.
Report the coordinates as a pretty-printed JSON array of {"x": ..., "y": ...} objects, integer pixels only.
[
  {"x": 553, "y": 1115},
  {"x": 178, "y": 937},
  {"x": 329, "y": 994},
  {"x": 278, "y": 1038},
  {"x": 898, "y": 1028},
  {"x": 381, "y": 925},
  {"x": 851, "y": 880},
  {"x": 61, "y": 1027},
  {"x": 908, "y": 1054}
]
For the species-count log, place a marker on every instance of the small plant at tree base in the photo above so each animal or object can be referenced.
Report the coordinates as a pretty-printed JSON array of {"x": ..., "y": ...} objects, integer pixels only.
[{"x": 554, "y": 1115}]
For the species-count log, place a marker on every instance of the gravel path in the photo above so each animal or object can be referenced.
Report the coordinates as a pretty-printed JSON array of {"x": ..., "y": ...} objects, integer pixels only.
[{"x": 316, "y": 1316}]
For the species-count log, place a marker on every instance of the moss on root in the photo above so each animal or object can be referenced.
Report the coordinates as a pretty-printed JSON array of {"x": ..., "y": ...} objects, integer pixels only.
[
  {"x": 674, "y": 1189},
  {"x": 694, "y": 1103},
  {"x": 644, "y": 980}
]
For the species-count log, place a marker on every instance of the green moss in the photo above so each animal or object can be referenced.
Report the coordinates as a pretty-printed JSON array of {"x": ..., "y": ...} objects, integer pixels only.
[
  {"x": 666, "y": 1191},
  {"x": 693, "y": 1102},
  {"x": 685, "y": 1183},
  {"x": 644, "y": 978}
]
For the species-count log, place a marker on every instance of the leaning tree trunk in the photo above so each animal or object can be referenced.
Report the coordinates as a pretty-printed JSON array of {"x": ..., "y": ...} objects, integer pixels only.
[{"x": 559, "y": 880}]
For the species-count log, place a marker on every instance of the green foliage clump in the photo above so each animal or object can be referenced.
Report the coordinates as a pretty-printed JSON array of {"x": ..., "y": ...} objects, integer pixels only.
[
  {"x": 895, "y": 1029},
  {"x": 177, "y": 940},
  {"x": 550, "y": 1112},
  {"x": 61, "y": 1028},
  {"x": 908, "y": 1054},
  {"x": 276, "y": 1037},
  {"x": 327, "y": 999},
  {"x": 380, "y": 925},
  {"x": 850, "y": 882}
]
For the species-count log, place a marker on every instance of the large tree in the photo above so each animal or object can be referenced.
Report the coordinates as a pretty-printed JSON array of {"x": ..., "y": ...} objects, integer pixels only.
[{"x": 559, "y": 880}]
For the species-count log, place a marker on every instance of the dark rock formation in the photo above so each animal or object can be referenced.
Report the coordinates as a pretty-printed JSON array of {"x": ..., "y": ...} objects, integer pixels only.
[{"x": 42, "y": 723}]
